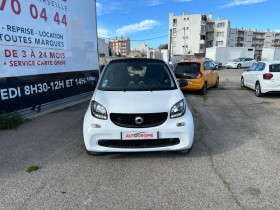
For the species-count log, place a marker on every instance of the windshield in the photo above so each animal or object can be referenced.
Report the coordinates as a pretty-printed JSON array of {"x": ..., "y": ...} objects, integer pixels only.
[
  {"x": 237, "y": 60},
  {"x": 137, "y": 75}
]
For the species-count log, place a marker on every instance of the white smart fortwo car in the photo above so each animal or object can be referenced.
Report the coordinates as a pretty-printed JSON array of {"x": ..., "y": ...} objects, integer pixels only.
[{"x": 138, "y": 107}]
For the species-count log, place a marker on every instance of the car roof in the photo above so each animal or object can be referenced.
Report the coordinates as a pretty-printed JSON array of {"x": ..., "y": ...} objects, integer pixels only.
[
  {"x": 136, "y": 59},
  {"x": 193, "y": 61}
]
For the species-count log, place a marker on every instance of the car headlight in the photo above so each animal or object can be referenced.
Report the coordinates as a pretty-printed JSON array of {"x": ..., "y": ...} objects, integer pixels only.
[
  {"x": 98, "y": 111},
  {"x": 178, "y": 109}
]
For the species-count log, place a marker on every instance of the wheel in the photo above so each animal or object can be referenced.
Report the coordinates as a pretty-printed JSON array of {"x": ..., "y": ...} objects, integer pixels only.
[
  {"x": 203, "y": 91},
  {"x": 242, "y": 82},
  {"x": 95, "y": 153},
  {"x": 258, "y": 90},
  {"x": 184, "y": 151},
  {"x": 217, "y": 83},
  {"x": 239, "y": 66}
]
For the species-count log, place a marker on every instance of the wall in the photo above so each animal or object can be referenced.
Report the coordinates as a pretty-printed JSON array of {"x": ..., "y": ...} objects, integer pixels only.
[
  {"x": 103, "y": 48},
  {"x": 165, "y": 55},
  {"x": 226, "y": 54},
  {"x": 270, "y": 54},
  {"x": 143, "y": 48}
]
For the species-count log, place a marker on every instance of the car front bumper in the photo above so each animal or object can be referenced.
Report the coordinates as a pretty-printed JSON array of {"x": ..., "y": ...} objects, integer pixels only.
[{"x": 95, "y": 137}]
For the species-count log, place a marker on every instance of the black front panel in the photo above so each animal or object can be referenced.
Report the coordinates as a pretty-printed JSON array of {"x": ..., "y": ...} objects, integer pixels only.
[
  {"x": 138, "y": 144},
  {"x": 18, "y": 93},
  {"x": 149, "y": 120}
]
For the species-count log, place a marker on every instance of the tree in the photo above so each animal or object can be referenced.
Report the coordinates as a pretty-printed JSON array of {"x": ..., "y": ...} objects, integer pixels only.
[
  {"x": 163, "y": 46},
  {"x": 110, "y": 52}
]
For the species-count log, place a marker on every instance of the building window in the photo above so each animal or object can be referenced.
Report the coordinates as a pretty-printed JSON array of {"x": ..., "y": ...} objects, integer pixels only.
[
  {"x": 221, "y": 25},
  {"x": 219, "y": 43},
  {"x": 174, "y": 22},
  {"x": 220, "y": 34},
  {"x": 174, "y": 31},
  {"x": 186, "y": 18}
]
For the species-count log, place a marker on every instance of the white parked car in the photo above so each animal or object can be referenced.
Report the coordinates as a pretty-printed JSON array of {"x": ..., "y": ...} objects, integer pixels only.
[
  {"x": 262, "y": 77},
  {"x": 138, "y": 107},
  {"x": 239, "y": 63}
]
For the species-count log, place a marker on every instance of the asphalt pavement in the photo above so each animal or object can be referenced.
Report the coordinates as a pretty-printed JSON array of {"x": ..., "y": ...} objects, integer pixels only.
[{"x": 234, "y": 163}]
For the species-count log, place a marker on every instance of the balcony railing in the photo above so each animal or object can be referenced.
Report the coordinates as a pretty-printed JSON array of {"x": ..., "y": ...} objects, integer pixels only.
[
  {"x": 258, "y": 37},
  {"x": 258, "y": 43},
  {"x": 209, "y": 38},
  {"x": 276, "y": 44},
  {"x": 202, "y": 32}
]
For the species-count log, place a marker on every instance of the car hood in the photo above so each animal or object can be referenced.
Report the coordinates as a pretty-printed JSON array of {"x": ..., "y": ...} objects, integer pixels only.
[{"x": 138, "y": 101}]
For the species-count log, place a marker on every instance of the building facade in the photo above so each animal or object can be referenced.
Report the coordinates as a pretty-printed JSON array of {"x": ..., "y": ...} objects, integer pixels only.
[
  {"x": 240, "y": 37},
  {"x": 103, "y": 48},
  {"x": 143, "y": 48},
  {"x": 189, "y": 34},
  {"x": 120, "y": 46}
]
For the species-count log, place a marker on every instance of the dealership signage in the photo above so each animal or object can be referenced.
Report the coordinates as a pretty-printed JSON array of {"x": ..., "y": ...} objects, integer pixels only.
[{"x": 48, "y": 50}]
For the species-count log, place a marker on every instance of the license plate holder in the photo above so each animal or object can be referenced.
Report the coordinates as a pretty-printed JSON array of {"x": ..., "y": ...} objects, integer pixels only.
[{"x": 139, "y": 135}]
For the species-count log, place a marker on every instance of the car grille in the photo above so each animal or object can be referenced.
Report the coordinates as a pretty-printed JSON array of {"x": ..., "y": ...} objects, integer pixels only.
[
  {"x": 138, "y": 144},
  {"x": 149, "y": 120}
]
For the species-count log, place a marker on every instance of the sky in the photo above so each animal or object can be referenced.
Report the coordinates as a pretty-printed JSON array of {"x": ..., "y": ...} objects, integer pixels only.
[{"x": 147, "y": 20}]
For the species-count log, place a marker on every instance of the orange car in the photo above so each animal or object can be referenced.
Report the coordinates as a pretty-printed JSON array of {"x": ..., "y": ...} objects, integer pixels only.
[{"x": 201, "y": 74}]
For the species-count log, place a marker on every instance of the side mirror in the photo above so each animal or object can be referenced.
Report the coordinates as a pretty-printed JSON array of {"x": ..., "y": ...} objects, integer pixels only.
[{"x": 183, "y": 83}]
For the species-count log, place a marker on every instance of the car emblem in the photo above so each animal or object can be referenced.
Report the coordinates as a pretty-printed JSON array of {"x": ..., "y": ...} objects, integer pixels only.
[{"x": 139, "y": 120}]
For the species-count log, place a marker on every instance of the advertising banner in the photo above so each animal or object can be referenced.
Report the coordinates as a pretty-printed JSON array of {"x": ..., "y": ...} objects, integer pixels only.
[{"x": 47, "y": 48}]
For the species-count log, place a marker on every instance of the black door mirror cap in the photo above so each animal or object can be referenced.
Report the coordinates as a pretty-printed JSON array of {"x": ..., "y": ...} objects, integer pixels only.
[{"x": 183, "y": 83}]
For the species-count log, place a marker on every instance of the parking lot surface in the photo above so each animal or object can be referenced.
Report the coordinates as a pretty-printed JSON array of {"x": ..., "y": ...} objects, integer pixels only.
[{"x": 234, "y": 163}]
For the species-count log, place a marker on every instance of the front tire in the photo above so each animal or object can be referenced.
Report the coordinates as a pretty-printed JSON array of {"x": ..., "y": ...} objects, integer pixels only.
[
  {"x": 258, "y": 90},
  {"x": 203, "y": 91}
]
